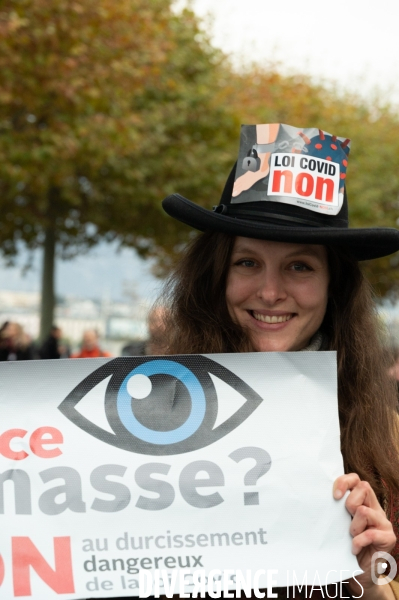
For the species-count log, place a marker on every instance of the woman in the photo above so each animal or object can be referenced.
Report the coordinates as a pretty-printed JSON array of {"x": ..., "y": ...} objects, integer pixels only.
[{"x": 276, "y": 269}]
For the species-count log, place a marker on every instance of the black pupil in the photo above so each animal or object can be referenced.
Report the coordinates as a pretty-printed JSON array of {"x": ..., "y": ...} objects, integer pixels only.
[{"x": 167, "y": 407}]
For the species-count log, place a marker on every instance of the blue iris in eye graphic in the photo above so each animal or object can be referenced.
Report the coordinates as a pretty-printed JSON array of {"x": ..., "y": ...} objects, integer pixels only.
[
  {"x": 159, "y": 406},
  {"x": 174, "y": 369}
]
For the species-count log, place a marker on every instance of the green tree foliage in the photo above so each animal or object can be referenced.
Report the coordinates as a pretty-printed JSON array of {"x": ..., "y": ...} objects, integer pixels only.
[{"x": 105, "y": 107}]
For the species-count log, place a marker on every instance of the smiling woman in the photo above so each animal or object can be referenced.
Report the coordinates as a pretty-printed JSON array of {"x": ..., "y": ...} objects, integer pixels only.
[
  {"x": 277, "y": 269},
  {"x": 277, "y": 292}
]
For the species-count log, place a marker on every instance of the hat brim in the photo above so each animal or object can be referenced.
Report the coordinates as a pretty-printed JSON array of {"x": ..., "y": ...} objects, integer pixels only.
[{"x": 363, "y": 244}]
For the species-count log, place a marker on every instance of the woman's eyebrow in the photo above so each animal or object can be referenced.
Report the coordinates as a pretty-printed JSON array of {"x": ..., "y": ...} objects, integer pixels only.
[
  {"x": 244, "y": 249},
  {"x": 304, "y": 252}
]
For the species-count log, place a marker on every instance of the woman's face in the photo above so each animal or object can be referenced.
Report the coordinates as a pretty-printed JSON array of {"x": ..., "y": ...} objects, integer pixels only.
[{"x": 278, "y": 292}]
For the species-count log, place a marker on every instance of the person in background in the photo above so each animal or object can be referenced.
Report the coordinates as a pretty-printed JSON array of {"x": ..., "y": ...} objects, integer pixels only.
[
  {"x": 15, "y": 344},
  {"x": 52, "y": 346},
  {"x": 90, "y": 346},
  {"x": 156, "y": 343},
  {"x": 134, "y": 348},
  {"x": 3, "y": 341}
]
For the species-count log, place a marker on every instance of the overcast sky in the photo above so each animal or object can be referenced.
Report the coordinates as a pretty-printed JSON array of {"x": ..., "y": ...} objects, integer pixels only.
[{"x": 354, "y": 43}]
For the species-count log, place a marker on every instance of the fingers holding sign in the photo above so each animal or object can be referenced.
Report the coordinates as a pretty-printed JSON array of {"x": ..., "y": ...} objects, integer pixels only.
[{"x": 370, "y": 529}]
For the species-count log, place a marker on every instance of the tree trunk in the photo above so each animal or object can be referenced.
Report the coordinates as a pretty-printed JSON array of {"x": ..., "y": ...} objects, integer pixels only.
[{"x": 48, "y": 295}]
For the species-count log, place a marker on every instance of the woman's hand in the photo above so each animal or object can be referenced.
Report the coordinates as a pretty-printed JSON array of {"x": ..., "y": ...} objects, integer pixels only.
[{"x": 370, "y": 529}]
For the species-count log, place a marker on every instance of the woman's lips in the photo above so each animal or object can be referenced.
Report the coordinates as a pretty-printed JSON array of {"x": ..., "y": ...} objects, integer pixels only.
[{"x": 271, "y": 319}]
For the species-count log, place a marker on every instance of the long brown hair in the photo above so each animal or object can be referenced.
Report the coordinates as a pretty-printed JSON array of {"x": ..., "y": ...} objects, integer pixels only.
[{"x": 199, "y": 322}]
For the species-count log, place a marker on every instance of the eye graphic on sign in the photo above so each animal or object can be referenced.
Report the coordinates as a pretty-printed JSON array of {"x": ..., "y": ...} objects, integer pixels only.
[{"x": 161, "y": 406}]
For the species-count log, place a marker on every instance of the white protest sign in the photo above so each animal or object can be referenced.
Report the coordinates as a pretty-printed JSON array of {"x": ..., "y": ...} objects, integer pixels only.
[{"x": 111, "y": 469}]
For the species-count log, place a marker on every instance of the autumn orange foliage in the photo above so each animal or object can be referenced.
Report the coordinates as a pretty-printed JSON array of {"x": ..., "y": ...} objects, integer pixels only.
[{"x": 106, "y": 107}]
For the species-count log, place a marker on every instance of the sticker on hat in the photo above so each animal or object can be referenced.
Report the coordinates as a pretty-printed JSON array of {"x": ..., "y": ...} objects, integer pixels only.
[{"x": 302, "y": 167}]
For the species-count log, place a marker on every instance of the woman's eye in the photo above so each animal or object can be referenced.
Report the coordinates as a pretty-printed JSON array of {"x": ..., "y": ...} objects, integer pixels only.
[
  {"x": 300, "y": 267},
  {"x": 246, "y": 262}
]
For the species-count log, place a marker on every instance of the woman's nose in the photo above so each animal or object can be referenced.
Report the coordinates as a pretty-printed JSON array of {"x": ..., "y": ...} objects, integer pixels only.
[{"x": 271, "y": 287}]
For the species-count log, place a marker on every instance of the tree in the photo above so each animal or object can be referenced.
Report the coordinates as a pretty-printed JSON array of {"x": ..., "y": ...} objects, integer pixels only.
[{"x": 105, "y": 107}]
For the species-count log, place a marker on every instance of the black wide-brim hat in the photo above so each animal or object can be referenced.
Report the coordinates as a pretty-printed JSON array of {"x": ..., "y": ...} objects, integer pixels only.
[{"x": 276, "y": 221}]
